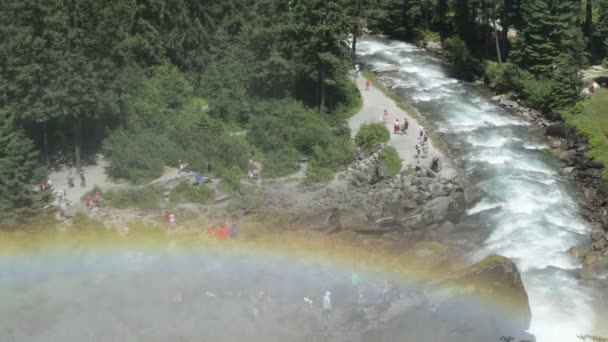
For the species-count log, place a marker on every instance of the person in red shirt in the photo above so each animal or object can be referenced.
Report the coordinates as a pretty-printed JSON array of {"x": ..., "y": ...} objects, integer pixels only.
[
  {"x": 88, "y": 202},
  {"x": 224, "y": 232},
  {"x": 367, "y": 84},
  {"x": 97, "y": 200}
]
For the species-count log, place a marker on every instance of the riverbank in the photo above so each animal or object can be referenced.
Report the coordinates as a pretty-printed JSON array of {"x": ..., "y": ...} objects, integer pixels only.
[
  {"x": 526, "y": 208},
  {"x": 572, "y": 148}
]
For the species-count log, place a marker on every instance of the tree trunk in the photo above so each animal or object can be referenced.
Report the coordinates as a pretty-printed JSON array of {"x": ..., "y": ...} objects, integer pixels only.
[
  {"x": 45, "y": 140},
  {"x": 322, "y": 104},
  {"x": 121, "y": 108},
  {"x": 77, "y": 143},
  {"x": 498, "y": 54},
  {"x": 353, "y": 49},
  {"x": 589, "y": 18}
]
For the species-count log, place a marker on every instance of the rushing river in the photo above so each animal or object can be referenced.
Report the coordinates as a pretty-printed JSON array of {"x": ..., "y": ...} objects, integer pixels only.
[{"x": 527, "y": 206}]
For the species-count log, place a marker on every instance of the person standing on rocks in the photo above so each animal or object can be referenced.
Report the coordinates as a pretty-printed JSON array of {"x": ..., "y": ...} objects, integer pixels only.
[{"x": 418, "y": 150}]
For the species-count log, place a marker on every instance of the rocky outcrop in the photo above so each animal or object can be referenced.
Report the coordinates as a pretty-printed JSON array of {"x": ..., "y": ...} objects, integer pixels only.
[
  {"x": 482, "y": 303},
  {"x": 530, "y": 115},
  {"x": 496, "y": 281}
]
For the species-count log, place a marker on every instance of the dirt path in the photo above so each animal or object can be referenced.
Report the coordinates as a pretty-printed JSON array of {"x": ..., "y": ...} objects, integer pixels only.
[
  {"x": 95, "y": 176},
  {"x": 374, "y": 103}
]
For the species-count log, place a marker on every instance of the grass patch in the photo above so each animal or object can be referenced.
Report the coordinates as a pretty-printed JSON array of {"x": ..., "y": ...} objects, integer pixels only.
[
  {"x": 436, "y": 247},
  {"x": 490, "y": 261},
  {"x": 398, "y": 101},
  {"x": 390, "y": 161},
  {"x": 589, "y": 119},
  {"x": 186, "y": 192},
  {"x": 597, "y": 110},
  {"x": 354, "y": 106}
]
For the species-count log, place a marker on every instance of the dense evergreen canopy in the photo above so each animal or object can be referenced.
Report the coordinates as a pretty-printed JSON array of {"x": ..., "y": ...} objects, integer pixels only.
[{"x": 151, "y": 82}]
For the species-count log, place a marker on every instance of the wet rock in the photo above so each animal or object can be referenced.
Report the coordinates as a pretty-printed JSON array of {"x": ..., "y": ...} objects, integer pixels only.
[
  {"x": 352, "y": 219},
  {"x": 557, "y": 131},
  {"x": 437, "y": 210},
  {"x": 472, "y": 195},
  {"x": 387, "y": 69},
  {"x": 497, "y": 279},
  {"x": 591, "y": 257},
  {"x": 578, "y": 252},
  {"x": 566, "y": 171},
  {"x": 587, "y": 273}
]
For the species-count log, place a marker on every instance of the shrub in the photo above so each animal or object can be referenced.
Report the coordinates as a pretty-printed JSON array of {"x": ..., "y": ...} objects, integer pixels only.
[
  {"x": 430, "y": 36},
  {"x": 538, "y": 93},
  {"x": 317, "y": 173},
  {"x": 338, "y": 153},
  {"x": 144, "y": 198},
  {"x": 605, "y": 63},
  {"x": 280, "y": 163},
  {"x": 231, "y": 178},
  {"x": 459, "y": 55},
  {"x": 390, "y": 161},
  {"x": 371, "y": 136},
  {"x": 186, "y": 192},
  {"x": 139, "y": 156},
  {"x": 506, "y": 77}
]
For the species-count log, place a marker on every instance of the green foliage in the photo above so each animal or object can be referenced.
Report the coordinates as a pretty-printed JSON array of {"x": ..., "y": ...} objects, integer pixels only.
[
  {"x": 139, "y": 156},
  {"x": 282, "y": 162},
  {"x": 144, "y": 198},
  {"x": 371, "y": 135},
  {"x": 187, "y": 192},
  {"x": 390, "y": 162},
  {"x": 587, "y": 117},
  {"x": 605, "y": 63},
  {"x": 20, "y": 172},
  {"x": 460, "y": 57},
  {"x": 325, "y": 162},
  {"x": 430, "y": 36},
  {"x": 231, "y": 179}
]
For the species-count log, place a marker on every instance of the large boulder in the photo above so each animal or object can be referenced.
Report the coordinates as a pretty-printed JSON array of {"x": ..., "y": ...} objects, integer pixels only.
[
  {"x": 557, "y": 131},
  {"x": 496, "y": 282},
  {"x": 324, "y": 220},
  {"x": 437, "y": 209},
  {"x": 482, "y": 303},
  {"x": 352, "y": 219}
]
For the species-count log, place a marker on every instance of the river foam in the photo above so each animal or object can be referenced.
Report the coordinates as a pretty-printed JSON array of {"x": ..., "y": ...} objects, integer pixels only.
[{"x": 526, "y": 205}]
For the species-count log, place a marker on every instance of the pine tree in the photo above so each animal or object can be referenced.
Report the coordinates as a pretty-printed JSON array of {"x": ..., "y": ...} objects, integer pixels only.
[
  {"x": 20, "y": 171},
  {"x": 534, "y": 49},
  {"x": 566, "y": 81},
  {"x": 600, "y": 35},
  {"x": 440, "y": 21}
]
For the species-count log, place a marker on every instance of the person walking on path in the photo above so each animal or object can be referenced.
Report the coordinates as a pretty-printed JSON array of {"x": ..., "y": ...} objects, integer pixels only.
[
  {"x": 397, "y": 127},
  {"x": 327, "y": 304},
  {"x": 421, "y": 133},
  {"x": 385, "y": 116},
  {"x": 70, "y": 178},
  {"x": 356, "y": 70},
  {"x": 83, "y": 180},
  {"x": 405, "y": 126},
  {"x": 368, "y": 84}
]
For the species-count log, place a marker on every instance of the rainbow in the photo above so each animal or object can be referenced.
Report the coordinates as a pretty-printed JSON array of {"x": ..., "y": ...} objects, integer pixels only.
[{"x": 341, "y": 254}]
